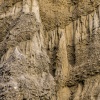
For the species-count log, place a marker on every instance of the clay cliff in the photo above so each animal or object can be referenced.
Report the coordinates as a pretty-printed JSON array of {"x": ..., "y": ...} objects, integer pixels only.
[{"x": 49, "y": 49}]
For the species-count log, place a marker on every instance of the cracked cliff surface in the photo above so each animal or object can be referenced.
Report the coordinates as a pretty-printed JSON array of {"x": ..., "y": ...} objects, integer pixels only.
[{"x": 49, "y": 50}]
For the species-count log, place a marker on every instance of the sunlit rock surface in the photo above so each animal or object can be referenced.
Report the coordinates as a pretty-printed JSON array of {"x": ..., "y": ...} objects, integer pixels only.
[{"x": 49, "y": 50}]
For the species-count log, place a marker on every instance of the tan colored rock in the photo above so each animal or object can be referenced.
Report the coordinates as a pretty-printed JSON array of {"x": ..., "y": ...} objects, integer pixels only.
[{"x": 49, "y": 49}]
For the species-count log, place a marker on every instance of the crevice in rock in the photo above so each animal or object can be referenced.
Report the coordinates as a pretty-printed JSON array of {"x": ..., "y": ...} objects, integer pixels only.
[{"x": 24, "y": 99}]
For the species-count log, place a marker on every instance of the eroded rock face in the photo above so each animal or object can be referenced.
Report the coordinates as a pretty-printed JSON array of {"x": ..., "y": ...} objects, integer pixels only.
[
  {"x": 25, "y": 65},
  {"x": 49, "y": 50}
]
